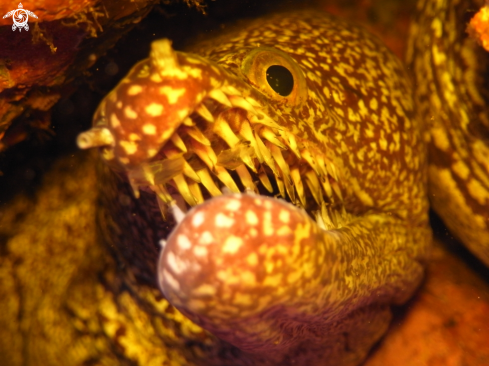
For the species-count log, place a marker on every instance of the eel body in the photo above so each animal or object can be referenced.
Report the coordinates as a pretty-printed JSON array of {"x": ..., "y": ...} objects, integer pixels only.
[
  {"x": 294, "y": 144},
  {"x": 450, "y": 72}
]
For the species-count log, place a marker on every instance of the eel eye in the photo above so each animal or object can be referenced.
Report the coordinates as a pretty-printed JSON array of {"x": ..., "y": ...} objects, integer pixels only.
[
  {"x": 275, "y": 74},
  {"x": 280, "y": 79}
]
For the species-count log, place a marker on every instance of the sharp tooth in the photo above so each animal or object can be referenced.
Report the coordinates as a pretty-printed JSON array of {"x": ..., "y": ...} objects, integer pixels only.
[
  {"x": 232, "y": 158},
  {"x": 197, "y": 135},
  {"x": 208, "y": 182},
  {"x": 187, "y": 170},
  {"x": 178, "y": 142},
  {"x": 224, "y": 131},
  {"x": 188, "y": 122},
  {"x": 325, "y": 213},
  {"x": 331, "y": 169},
  {"x": 296, "y": 178},
  {"x": 326, "y": 186},
  {"x": 196, "y": 192},
  {"x": 253, "y": 102},
  {"x": 240, "y": 102},
  {"x": 319, "y": 220},
  {"x": 204, "y": 113},
  {"x": 337, "y": 190},
  {"x": 226, "y": 178},
  {"x": 178, "y": 208},
  {"x": 279, "y": 159},
  {"x": 312, "y": 182},
  {"x": 190, "y": 173},
  {"x": 245, "y": 177},
  {"x": 142, "y": 175},
  {"x": 264, "y": 179},
  {"x": 164, "y": 170},
  {"x": 264, "y": 120},
  {"x": 220, "y": 97},
  {"x": 267, "y": 156},
  {"x": 291, "y": 142},
  {"x": 230, "y": 90},
  {"x": 307, "y": 156},
  {"x": 163, "y": 207},
  {"x": 247, "y": 155},
  {"x": 162, "y": 193},
  {"x": 247, "y": 134},
  {"x": 269, "y": 135},
  {"x": 205, "y": 153},
  {"x": 135, "y": 189},
  {"x": 182, "y": 187},
  {"x": 321, "y": 163},
  {"x": 280, "y": 185}
]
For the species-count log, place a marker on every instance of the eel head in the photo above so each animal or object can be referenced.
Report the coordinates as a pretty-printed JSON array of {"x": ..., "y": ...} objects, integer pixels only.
[{"x": 300, "y": 106}]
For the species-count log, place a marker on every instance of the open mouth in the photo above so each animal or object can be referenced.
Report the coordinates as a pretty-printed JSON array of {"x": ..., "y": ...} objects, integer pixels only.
[{"x": 229, "y": 144}]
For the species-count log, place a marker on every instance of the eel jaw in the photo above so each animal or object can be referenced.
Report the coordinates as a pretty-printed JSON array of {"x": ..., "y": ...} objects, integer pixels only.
[{"x": 229, "y": 142}]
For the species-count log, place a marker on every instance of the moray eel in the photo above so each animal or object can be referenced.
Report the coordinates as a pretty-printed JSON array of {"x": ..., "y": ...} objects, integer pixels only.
[
  {"x": 294, "y": 146},
  {"x": 450, "y": 72}
]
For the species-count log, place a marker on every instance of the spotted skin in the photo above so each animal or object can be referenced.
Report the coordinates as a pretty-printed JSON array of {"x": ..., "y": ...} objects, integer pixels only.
[
  {"x": 309, "y": 283},
  {"x": 451, "y": 94}
]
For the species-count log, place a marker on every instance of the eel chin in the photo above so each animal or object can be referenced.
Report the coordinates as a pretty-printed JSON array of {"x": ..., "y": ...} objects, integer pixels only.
[
  {"x": 260, "y": 273},
  {"x": 307, "y": 279}
]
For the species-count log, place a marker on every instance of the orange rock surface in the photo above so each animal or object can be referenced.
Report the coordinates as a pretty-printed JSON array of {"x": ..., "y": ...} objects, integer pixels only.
[{"x": 446, "y": 324}]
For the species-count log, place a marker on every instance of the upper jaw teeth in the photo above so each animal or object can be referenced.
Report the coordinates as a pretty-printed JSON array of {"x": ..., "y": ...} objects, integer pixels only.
[{"x": 228, "y": 131}]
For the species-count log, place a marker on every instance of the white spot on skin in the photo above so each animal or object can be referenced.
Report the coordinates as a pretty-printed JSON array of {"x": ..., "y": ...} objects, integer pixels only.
[
  {"x": 130, "y": 113},
  {"x": 200, "y": 251},
  {"x": 284, "y": 230},
  {"x": 175, "y": 263},
  {"x": 172, "y": 94},
  {"x": 233, "y": 205},
  {"x": 284, "y": 216},
  {"x": 253, "y": 232},
  {"x": 149, "y": 129},
  {"x": 252, "y": 259},
  {"x": 198, "y": 219},
  {"x": 154, "y": 109},
  {"x": 183, "y": 242},
  {"x": 134, "y": 137},
  {"x": 170, "y": 280},
  {"x": 267, "y": 223},
  {"x": 232, "y": 244},
  {"x": 206, "y": 238},
  {"x": 182, "y": 113},
  {"x": 204, "y": 290},
  {"x": 251, "y": 218},
  {"x": 134, "y": 90},
  {"x": 223, "y": 221},
  {"x": 114, "y": 121},
  {"x": 129, "y": 147},
  {"x": 156, "y": 78}
]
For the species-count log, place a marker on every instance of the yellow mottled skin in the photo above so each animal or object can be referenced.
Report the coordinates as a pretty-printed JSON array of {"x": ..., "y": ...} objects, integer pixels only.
[
  {"x": 451, "y": 93},
  {"x": 275, "y": 284}
]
